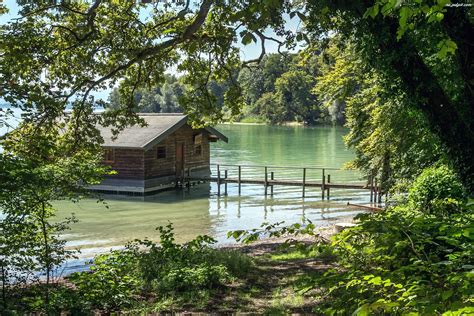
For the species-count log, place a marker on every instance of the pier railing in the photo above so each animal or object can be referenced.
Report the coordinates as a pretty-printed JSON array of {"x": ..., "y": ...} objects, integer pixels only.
[{"x": 325, "y": 178}]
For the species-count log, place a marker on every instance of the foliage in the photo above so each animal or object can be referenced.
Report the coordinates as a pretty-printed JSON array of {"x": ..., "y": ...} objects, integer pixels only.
[
  {"x": 30, "y": 244},
  {"x": 123, "y": 279},
  {"x": 56, "y": 55},
  {"x": 390, "y": 136},
  {"x": 399, "y": 46},
  {"x": 403, "y": 261},
  {"x": 164, "y": 98},
  {"x": 436, "y": 185},
  {"x": 273, "y": 230},
  {"x": 278, "y": 89},
  {"x": 87, "y": 47},
  {"x": 338, "y": 78}
]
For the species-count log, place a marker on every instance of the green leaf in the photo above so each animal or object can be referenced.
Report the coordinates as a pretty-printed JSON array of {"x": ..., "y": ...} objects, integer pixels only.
[
  {"x": 445, "y": 47},
  {"x": 372, "y": 11},
  {"x": 446, "y": 294},
  {"x": 248, "y": 38},
  {"x": 363, "y": 310},
  {"x": 405, "y": 14},
  {"x": 443, "y": 3}
]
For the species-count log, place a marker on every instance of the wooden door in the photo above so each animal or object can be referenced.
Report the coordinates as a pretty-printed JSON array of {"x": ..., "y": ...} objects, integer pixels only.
[{"x": 179, "y": 160}]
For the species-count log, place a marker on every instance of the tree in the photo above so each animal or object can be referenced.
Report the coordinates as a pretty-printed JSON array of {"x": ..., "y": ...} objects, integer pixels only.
[
  {"x": 251, "y": 81},
  {"x": 272, "y": 108},
  {"x": 30, "y": 243},
  {"x": 390, "y": 136},
  {"x": 421, "y": 48},
  {"x": 294, "y": 90},
  {"x": 336, "y": 80}
]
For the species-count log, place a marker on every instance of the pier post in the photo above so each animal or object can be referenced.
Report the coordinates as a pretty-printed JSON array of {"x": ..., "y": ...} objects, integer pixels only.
[
  {"x": 225, "y": 182},
  {"x": 376, "y": 189},
  {"x": 240, "y": 178},
  {"x": 271, "y": 186},
  {"x": 380, "y": 194},
  {"x": 323, "y": 186},
  {"x": 218, "y": 181},
  {"x": 329, "y": 188},
  {"x": 371, "y": 183},
  {"x": 304, "y": 181},
  {"x": 266, "y": 181}
]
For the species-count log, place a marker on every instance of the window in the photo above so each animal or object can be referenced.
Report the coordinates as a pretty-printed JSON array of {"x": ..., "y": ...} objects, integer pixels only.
[
  {"x": 109, "y": 155},
  {"x": 197, "y": 138},
  {"x": 161, "y": 152},
  {"x": 198, "y": 150}
]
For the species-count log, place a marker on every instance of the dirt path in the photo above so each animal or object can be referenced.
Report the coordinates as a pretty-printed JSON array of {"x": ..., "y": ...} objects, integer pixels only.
[{"x": 273, "y": 286}]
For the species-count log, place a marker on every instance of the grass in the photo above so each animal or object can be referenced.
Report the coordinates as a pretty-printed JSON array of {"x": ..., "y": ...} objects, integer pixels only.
[
  {"x": 270, "y": 285},
  {"x": 294, "y": 255},
  {"x": 266, "y": 280},
  {"x": 253, "y": 119}
]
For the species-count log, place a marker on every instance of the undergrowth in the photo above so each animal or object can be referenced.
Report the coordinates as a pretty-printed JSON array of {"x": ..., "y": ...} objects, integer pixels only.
[{"x": 144, "y": 277}]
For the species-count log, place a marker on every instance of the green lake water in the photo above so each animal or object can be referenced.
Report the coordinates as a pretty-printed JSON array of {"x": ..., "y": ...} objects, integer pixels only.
[{"x": 200, "y": 211}]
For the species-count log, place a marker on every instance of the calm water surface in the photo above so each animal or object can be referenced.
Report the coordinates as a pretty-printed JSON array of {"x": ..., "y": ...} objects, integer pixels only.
[{"x": 201, "y": 211}]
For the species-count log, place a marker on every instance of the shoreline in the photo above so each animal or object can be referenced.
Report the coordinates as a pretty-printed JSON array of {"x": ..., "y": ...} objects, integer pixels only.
[{"x": 289, "y": 123}]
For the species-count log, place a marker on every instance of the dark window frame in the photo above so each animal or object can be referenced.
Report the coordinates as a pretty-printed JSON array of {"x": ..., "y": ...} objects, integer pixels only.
[{"x": 161, "y": 152}]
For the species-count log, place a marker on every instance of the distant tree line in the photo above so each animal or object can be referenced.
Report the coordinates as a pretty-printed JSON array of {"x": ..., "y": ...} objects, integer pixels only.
[{"x": 280, "y": 89}]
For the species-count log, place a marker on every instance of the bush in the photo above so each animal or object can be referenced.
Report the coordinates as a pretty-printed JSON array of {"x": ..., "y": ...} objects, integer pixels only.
[
  {"x": 147, "y": 270},
  {"x": 435, "y": 186},
  {"x": 113, "y": 282},
  {"x": 407, "y": 260}
]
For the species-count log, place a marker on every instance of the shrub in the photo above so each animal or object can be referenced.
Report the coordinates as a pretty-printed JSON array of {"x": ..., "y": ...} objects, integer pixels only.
[
  {"x": 147, "y": 270},
  {"x": 435, "y": 188},
  {"x": 113, "y": 282},
  {"x": 416, "y": 257}
]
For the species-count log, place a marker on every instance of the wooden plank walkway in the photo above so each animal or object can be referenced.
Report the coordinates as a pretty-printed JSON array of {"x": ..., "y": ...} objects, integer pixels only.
[
  {"x": 283, "y": 182},
  {"x": 268, "y": 181}
]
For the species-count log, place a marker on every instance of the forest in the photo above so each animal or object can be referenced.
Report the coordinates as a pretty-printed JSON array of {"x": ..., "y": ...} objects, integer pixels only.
[
  {"x": 280, "y": 88},
  {"x": 398, "y": 75}
]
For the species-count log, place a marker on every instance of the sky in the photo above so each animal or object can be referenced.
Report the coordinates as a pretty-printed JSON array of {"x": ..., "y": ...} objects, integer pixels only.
[{"x": 247, "y": 52}]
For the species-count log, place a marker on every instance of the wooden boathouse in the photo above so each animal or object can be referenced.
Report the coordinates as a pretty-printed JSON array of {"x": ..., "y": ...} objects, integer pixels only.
[{"x": 153, "y": 158}]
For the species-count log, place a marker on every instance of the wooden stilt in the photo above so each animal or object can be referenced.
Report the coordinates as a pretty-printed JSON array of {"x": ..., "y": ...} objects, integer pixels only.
[
  {"x": 218, "y": 181},
  {"x": 376, "y": 189},
  {"x": 240, "y": 179},
  {"x": 329, "y": 188},
  {"x": 371, "y": 183},
  {"x": 304, "y": 181},
  {"x": 266, "y": 181},
  {"x": 189, "y": 178},
  {"x": 323, "y": 184},
  {"x": 225, "y": 182},
  {"x": 271, "y": 185}
]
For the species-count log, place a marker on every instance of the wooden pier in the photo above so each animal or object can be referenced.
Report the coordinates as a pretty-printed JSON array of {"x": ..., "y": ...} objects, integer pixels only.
[{"x": 288, "y": 176}]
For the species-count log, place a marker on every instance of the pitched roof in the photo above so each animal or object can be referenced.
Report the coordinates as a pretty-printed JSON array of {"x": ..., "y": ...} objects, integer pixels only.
[{"x": 159, "y": 126}]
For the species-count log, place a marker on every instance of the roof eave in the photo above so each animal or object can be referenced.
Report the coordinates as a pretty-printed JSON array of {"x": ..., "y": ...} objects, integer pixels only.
[{"x": 219, "y": 135}]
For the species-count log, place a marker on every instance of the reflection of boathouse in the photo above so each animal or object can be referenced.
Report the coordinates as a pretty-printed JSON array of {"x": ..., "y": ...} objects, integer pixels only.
[{"x": 152, "y": 158}]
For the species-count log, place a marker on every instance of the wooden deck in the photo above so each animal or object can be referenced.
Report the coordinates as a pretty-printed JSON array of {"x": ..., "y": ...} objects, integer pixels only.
[
  {"x": 284, "y": 182},
  {"x": 304, "y": 177}
]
